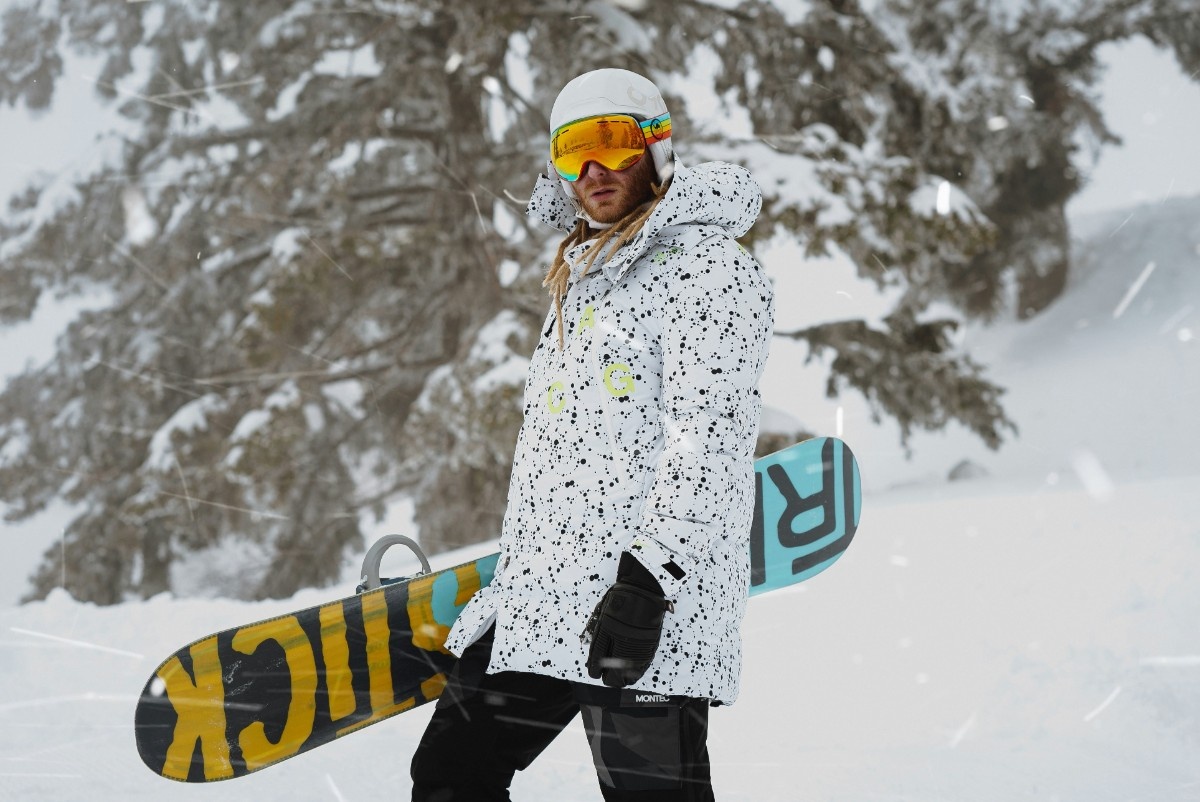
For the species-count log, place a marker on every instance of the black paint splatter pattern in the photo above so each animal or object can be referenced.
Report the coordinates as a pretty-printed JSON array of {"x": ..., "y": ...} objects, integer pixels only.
[{"x": 639, "y": 436}]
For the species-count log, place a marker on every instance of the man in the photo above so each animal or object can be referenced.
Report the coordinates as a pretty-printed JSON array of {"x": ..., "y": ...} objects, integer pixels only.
[{"x": 624, "y": 564}]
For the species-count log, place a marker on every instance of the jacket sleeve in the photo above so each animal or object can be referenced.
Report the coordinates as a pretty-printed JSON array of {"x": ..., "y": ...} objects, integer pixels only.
[{"x": 717, "y": 325}]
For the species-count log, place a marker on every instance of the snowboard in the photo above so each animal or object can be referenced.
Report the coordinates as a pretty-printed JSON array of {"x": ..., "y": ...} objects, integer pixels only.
[{"x": 248, "y": 697}]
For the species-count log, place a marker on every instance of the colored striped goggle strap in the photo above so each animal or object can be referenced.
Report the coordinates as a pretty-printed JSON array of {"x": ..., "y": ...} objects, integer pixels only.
[
  {"x": 657, "y": 128},
  {"x": 616, "y": 141}
]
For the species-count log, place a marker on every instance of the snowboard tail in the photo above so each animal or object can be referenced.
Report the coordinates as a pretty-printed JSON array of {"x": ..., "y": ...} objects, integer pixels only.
[
  {"x": 245, "y": 698},
  {"x": 808, "y": 499},
  {"x": 242, "y": 699}
]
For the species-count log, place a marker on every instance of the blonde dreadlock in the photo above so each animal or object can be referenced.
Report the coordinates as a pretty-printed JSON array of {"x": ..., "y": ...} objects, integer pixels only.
[{"x": 558, "y": 277}]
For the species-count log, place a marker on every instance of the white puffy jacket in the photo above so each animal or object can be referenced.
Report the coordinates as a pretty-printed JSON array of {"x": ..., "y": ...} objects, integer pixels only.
[{"x": 639, "y": 436}]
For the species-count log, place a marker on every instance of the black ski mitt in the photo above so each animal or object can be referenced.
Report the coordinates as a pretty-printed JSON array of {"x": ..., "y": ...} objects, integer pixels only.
[{"x": 626, "y": 626}]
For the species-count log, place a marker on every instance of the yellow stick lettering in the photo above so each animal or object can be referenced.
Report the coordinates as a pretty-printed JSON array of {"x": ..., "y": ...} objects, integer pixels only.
[
  {"x": 257, "y": 749},
  {"x": 200, "y": 705},
  {"x": 427, "y": 633},
  {"x": 379, "y": 655},
  {"x": 338, "y": 678},
  {"x": 434, "y": 685},
  {"x": 468, "y": 583},
  {"x": 432, "y": 688}
]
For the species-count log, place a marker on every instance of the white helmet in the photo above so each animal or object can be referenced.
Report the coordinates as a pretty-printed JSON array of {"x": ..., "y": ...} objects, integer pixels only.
[{"x": 614, "y": 91}]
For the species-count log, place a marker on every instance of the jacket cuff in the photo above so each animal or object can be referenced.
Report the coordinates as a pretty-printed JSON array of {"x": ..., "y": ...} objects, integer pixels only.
[{"x": 660, "y": 563}]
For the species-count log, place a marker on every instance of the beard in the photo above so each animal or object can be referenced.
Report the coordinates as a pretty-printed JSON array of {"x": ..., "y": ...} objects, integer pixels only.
[{"x": 631, "y": 190}]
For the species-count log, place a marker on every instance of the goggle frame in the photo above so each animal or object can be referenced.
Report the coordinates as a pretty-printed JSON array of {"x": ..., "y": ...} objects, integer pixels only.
[{"x": 590, "y": 148}]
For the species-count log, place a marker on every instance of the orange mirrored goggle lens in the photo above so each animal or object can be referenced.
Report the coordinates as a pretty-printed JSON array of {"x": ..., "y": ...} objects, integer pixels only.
[{"x": 615, "y": 141}]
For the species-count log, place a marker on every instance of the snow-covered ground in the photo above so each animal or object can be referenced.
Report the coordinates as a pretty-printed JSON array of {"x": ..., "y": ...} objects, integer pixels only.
[{"x": 1029, "y": 633}]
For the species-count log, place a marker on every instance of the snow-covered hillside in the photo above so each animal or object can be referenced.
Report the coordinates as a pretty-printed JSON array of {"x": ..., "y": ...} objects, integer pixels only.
[
  {"x": 1106, "y": 381},
  {"x": 1026, "y": 634}
]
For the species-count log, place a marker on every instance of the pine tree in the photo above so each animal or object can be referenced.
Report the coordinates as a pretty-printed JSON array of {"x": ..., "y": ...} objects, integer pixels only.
[
  {"x": 300, "y": 235},
  {"x": 323, "y": 287}
]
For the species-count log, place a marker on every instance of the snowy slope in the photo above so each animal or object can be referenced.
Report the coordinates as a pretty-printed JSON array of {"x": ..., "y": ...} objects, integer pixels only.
[
  {"x": 1105, "y": 381},
  {"x": 1026, "y": 635},
  {"x": 991, "y": 647}
]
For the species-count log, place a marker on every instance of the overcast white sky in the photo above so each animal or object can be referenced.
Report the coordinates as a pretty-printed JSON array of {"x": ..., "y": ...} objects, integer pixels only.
[
  {"x": 1146, "y": 98},
  {"x": 1150, "y": 103}
]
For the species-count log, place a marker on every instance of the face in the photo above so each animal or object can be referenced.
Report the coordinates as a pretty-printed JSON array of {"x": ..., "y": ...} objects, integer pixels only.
[{"x": 608, "y": 195}]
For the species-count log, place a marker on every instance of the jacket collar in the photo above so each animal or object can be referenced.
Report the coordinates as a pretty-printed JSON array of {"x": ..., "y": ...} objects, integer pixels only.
[{"x": 712, "y": 193}]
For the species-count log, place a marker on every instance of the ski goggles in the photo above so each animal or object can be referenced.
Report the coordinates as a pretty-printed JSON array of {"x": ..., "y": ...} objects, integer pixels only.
[{"x": 615, "y": 141}]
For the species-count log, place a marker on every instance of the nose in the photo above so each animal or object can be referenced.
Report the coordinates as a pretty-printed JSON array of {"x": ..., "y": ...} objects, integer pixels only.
[{"x": 592, "y": 169}]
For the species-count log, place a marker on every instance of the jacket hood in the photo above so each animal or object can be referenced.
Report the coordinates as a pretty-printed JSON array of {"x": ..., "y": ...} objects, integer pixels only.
[{"x": 712, "y": 193}]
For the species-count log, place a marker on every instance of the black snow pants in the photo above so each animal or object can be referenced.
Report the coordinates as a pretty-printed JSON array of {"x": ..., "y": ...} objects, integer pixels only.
[{"x": 486, "y": 727}]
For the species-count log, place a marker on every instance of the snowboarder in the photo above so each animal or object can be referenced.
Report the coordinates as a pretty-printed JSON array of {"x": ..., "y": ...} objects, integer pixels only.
[{"x": 623, "y": 567}]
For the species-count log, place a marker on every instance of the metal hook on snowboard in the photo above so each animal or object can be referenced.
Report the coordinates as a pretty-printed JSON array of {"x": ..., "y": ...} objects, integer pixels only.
[{"x": 374, "y": 556}]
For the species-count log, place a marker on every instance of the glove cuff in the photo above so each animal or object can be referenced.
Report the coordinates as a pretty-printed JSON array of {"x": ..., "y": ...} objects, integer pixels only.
[{"x": 631, "y": 570}]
